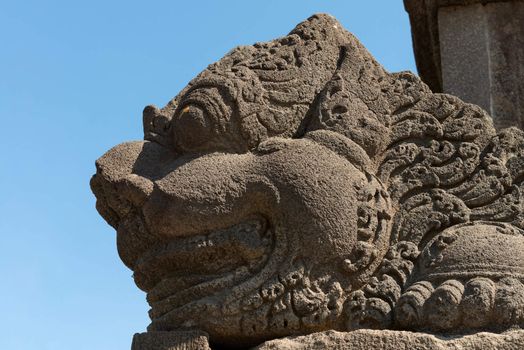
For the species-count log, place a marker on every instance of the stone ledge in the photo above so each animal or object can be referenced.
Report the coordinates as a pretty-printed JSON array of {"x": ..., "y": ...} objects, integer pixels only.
[{"x": 398, "y": 340}]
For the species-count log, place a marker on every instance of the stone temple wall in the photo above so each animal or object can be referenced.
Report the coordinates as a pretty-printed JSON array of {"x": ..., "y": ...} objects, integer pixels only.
[{"x": 473, "y": 49}]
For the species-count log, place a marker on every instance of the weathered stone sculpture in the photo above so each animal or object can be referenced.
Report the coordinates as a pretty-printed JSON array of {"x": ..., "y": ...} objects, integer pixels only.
[{"x": 295, "y": 187}]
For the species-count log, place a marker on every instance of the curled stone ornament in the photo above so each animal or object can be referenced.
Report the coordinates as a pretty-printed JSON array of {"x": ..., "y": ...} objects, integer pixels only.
[{"x": 296, "y": 186}]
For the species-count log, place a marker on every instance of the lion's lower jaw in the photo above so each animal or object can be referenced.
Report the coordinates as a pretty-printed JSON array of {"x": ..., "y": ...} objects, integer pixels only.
[{"x": 288, "y": 303}]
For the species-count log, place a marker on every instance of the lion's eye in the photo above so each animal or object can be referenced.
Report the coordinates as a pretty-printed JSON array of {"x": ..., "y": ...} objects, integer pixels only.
[{"x": 191, "y": 127}]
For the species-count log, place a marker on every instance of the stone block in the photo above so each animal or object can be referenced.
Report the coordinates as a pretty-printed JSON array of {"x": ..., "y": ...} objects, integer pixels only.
[{"x": 184, "y": 340}]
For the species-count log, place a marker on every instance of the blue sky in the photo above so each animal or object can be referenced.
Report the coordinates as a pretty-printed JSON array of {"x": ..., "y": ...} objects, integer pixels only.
[{"x": 74, "y": 78}]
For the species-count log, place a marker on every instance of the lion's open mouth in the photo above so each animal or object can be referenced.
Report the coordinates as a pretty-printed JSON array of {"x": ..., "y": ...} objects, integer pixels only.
[{"x": 187, "y": 269}]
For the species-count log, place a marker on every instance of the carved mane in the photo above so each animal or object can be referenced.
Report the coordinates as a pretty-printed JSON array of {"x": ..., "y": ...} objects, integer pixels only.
[{"x": 439, "y": 158}]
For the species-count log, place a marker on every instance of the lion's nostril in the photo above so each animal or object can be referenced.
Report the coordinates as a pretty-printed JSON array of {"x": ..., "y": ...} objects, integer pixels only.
[{"x": 136, "y": 189}]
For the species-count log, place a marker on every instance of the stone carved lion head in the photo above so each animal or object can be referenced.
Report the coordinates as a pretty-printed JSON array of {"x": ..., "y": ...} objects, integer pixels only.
[{"x": 296, "y": 186}]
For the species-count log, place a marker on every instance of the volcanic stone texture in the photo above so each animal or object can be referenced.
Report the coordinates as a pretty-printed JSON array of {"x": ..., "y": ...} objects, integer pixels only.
[{"x": 296, "y": 187}]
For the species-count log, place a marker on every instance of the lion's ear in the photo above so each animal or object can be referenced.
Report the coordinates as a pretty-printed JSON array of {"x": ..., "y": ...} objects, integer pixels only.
[{"x": 342, "y": 146}]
